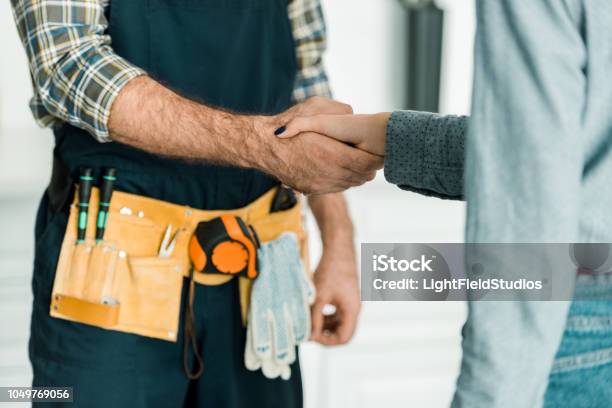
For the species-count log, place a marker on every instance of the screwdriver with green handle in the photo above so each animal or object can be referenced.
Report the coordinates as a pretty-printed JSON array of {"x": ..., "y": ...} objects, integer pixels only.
[
  {"x": 106, "y": 192},
  {"x": 85, "y": 183}
]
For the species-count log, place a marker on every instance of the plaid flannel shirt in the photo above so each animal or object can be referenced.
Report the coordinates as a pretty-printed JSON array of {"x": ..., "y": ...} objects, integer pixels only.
[{"x": 76, "y": 75}]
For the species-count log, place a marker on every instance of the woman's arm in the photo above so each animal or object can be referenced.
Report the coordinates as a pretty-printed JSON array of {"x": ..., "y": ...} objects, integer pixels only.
[
  {"x": 524, "y": 169},
  {"x": 424, "y": 152}
]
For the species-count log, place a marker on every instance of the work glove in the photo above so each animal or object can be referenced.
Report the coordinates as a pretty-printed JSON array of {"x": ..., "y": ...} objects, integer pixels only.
[{"x": 279, "y": 314}]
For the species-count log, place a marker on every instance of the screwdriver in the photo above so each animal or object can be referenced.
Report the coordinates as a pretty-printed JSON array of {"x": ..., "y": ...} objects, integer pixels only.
[
  {"x": 85, "y": 183},
  {"x": 106, "y": 192}
]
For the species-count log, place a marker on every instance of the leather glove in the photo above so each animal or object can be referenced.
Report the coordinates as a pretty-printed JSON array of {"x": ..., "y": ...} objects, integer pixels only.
[{"x": 279, "y": 314}]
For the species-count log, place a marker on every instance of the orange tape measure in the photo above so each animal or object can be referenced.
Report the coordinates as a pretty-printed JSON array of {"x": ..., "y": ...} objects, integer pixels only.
[{"x": 224, "y": 245}]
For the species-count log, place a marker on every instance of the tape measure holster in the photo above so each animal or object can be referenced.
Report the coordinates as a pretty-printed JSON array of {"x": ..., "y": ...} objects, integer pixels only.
[{"x": 225, "y": 245}]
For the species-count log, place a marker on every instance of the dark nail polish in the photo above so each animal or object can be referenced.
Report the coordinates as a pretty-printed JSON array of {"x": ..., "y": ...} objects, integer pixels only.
[{"x": 280, "y": 130}]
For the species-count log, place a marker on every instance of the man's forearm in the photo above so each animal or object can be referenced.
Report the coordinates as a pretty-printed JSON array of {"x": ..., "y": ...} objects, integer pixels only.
[
  {"x": 333, "y": 219},
  {"x": 148, "y": 116},
  {"x": 335, "y": 278},
  {"x": 151, "y": 117}
]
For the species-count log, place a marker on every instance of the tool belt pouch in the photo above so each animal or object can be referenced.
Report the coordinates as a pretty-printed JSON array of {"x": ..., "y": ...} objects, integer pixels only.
[
  {"x": 103, "y": 285},
  {"x": 122, "y": 284}
]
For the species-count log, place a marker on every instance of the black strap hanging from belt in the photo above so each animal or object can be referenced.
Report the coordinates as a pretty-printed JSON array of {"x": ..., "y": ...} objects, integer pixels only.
[{"x": 190, "y": 336}]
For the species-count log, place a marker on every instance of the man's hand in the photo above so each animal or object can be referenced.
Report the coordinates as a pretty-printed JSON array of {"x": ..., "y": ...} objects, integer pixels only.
[
  {"x": 367, "y": 132},
  {"x": 315, "y": 105},
  {"x": 315, "y": 164},
  {"x": 312, "y": 163},
  {"x": 336, "y": 282},
  {"x": 336, "y": 276}
]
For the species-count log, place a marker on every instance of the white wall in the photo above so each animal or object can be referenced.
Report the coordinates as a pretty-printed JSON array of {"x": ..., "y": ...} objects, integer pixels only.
[
  {"x": 25, "y": 149},
  {"x": 366, "y": 54},
  {"x": 367, "y": 50},
  {"x": 457, "y": 56}
]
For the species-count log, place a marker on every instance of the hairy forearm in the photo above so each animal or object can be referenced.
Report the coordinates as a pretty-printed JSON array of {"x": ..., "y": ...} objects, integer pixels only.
[
  {"x": 332, "y": 215},
  {"x": 148, "y": 116},
  {"x": 151, "y": 117}
]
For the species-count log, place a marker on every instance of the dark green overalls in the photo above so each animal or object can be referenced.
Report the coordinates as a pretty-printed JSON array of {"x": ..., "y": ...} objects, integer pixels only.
[{"x": 234, "y": 54}]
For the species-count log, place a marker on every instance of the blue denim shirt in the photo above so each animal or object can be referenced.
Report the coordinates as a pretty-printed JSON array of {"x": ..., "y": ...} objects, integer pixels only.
[{"x": 538, "y": 167}]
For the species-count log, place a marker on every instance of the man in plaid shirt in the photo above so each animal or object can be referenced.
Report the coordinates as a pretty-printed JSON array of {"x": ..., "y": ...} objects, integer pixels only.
[{"x": 142, "y": 85}]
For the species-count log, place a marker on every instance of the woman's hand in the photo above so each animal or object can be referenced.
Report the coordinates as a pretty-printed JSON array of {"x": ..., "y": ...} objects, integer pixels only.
[
  {"x": 367, "y": 132},
  {"x": 311, "y": 163}
]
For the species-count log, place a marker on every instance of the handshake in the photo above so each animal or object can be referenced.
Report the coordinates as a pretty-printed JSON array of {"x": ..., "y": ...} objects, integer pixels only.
[{"x": 320, "y": 147}]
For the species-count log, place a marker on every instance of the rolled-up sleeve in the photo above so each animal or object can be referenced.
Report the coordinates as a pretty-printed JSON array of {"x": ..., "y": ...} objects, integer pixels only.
[
  {"x": 309, "y": 34},
  {"x": 424, "y": 153},
  {"x": 75, "y": 73}
]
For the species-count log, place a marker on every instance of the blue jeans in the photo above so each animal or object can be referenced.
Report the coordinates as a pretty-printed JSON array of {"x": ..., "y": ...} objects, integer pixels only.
[{"x": 582, "y": 372}]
